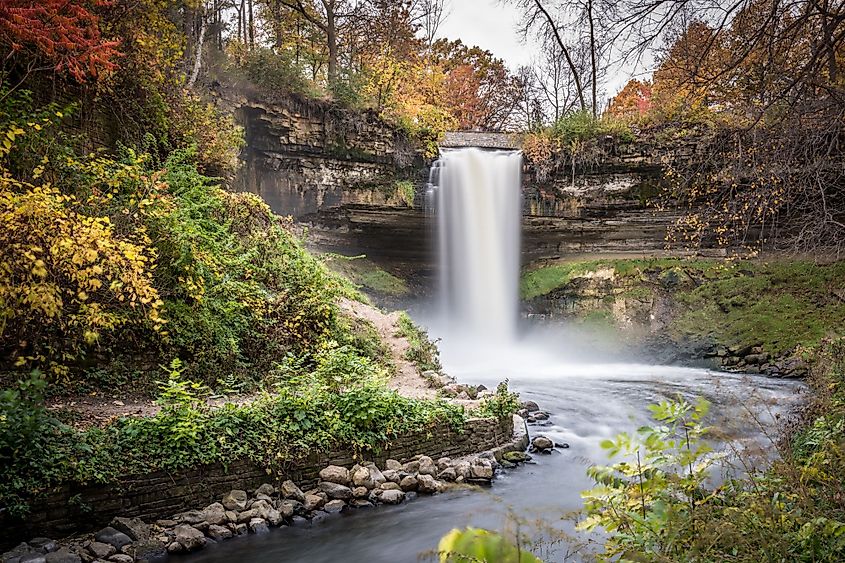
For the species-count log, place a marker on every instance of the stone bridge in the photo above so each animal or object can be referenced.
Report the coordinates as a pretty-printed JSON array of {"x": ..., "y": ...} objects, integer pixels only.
[{"x": 460, "y": 139}]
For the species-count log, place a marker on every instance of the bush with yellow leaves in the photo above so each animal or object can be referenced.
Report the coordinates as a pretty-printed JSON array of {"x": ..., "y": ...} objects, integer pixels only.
[{"x": 65, "y": 277}]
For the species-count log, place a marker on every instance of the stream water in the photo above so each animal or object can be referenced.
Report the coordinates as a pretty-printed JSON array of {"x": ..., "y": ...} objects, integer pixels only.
[{"x": 589, "y": 399}]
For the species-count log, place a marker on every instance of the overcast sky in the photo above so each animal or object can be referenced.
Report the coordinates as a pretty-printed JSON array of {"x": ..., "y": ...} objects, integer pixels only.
[{"x": 491, "y": 24}]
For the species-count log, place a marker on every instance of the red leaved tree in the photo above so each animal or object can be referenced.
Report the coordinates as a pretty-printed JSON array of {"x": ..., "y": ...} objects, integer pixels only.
[{"x": 62, "y": 35}]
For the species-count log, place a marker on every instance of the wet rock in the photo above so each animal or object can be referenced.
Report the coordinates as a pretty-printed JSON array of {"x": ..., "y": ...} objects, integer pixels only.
[
  {"x": 101, "y": 550},
  {"x": 300, "y": 522},
  {"x": 336, "y": 491},
  {"x": 33, "y": 557},
  {"x": 64, "y": 555},
  {"x": 508, "y": 465},
  {"x": 14, "y": 555},
  {"x": 312, "y": 502},
  {"x": 258, "y": 526},
  {"x": 113, "y": 537},
  {"x": 530, "y": 406},
  {"x": 334, "y": 506},
  {"x": 335, "y": 474},
  {"x": 392, "y": 497},
  {"x": 389, "y": 486},
  {"x": 542, "y": 444},
  {"x": 361, "y": 503},
  {"x": 410, "y": 495},
  {"x": 121, "y": 558},
  {"x": 318, "y": 517},
  {"x": 235, "y": 500},
  {"x": 288, "y": 507},
  {"x": 290, "y": 490},
  {"x": 219, "y": 533},
  {"x": 516, "y": 457},
  {"x": 393, "y": 465},
  {"x": 562, "y": 445},
  {"x": 449, "y": 474},
  {"x": 427, "y": 484},
  {"x": 541, "y": 415},
  {"x": 189, "y": 537},
  {"x": 408, "y": 483},
  {"x": 241, "y": 529},
  {"x": 443, "y": 463},
  {"x": 463, "y": 471}
]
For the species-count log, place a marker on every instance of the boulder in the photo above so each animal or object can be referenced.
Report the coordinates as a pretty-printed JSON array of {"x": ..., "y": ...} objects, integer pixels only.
[
  {"x": 112, "y": 537},
  {"x": 411, "y": 467},
  {"x": 334, "y": 506},
  {"x": 393, "y": 465},
  {"x": 247, "y": 515},
  {"x": 463, "y": 470},
  {"x": 33, "y": 557},
  {"x": 135, "y": 528},
  {"x": 360, "y": 492},
  {"x": 375, "y": 474},
  {"x": 274, "y": 517},
  {"x": 175, "y": 547},
  {"x": 335, "y": 474},
  {"x": 392, "y": 475},
  {"x": 427, "y": 466},
  {"x": 336, "y": 490},
  {"x": 312, "y": 502},
  {"x": 516, "y": 457},
  {"x": 361, "y": 478},
  {"x": 443, "y": 463},
  {"x": 530, "y": 406},
  {"x": 101, "y": 550},
  {"x": 361, "y": 503},
  {"x": 289, "y": 507},
  {"x": 392, "y": 497},
  {"x": 215, "y": 514},
  {"x": 389, "y": 486},
  {"x": 542, "y": 444},
  {"x": 449, "y": 474},
  {"x": 241, "y": 529},
  {"x": 482, "y": 469},
  {"x": 121, "y": 558},
  {"x": 219, "y": 533},
  {"x": 235, "y": 500},
  {"x": 408, "y": 483},
  {"x": 258, "y": 526},
  {"x": 427, "y": 484},
  {"x": 290, "y": 490},
  {"x": 189, "y": 537},
  {"x": 266, "y": 489}
]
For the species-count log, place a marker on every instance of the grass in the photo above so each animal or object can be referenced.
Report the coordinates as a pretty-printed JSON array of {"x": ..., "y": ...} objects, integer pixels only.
[
  {"x": 367, "y": 275},
  {"x": 782, "y": 306},
  {"x": 422, "y": 352}
]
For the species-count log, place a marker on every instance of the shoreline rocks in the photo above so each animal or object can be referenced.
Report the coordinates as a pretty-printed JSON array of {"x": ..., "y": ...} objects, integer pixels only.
[{"x": 238, "y": 512}]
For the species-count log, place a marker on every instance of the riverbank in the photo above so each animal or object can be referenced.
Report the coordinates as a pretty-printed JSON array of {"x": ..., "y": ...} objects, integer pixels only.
[
  {"x": 150, "y": 532},
  {"x": 750, "y": 316}
]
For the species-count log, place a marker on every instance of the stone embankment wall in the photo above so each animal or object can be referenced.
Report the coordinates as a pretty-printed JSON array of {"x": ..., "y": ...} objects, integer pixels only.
[{"x": 161, "y": 494}]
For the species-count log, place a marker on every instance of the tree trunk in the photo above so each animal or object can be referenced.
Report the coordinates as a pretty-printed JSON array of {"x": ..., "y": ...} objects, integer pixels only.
[
  {"x": 565, "y": 50},
  {"x": 331, "y": 38},
  {"x": 198, "y": 61},
  {"x": 593, "y": 56}
]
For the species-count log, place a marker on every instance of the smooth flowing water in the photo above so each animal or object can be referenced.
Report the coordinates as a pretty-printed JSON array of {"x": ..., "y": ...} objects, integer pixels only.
[
  {"x": 588, "y": 403},
  {"x": 478, "y": 206}
]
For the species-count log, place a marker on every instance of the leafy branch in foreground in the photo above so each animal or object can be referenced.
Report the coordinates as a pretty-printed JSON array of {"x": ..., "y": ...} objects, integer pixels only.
[{"x": 660, "y": 482}]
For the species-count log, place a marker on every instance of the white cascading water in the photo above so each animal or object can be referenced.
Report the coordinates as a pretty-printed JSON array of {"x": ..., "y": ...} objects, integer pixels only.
[{"x": 479, "y": 211}]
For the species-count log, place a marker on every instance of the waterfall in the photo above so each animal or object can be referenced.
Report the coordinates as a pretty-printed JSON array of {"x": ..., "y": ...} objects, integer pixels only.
[{"x": 479, "y": 211}]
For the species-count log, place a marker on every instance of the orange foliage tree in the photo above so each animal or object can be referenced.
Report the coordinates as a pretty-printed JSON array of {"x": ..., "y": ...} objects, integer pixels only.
[{"x": 63, "y": 35}]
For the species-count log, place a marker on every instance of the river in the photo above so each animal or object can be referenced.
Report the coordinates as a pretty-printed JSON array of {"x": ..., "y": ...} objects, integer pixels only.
[{"x": 588, "y": 402}]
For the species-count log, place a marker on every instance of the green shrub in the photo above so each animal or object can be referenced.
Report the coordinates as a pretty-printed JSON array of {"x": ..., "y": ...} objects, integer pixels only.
[
  {"x": 502, "y": 404},
  {"x": 422, "y": 351}
]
